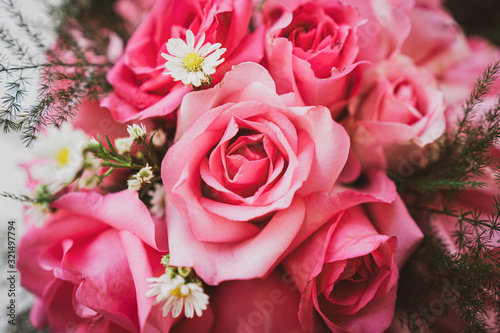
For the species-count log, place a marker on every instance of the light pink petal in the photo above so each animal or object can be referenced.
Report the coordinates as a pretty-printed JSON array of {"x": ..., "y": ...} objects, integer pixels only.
[{"x": 122, "y": 210}]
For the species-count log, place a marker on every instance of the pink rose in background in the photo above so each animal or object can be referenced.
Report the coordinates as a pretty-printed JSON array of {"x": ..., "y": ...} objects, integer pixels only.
[
  {"x": 386, "y": 28},
  {"x": 400, "y": 104},
  {"x": 347, "y": 274},
  {"x": 240, "y": 170},
  {"x": 436, "y": 42},
  {"x": 458, "y": 81},
  {"x": 312, "y": 50},
  {"x": 89, "y": 263},
  {"x": 140, "y": 89}
]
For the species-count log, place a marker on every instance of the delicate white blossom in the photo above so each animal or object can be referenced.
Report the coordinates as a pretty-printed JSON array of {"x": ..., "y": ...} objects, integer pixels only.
[
  {"x": 157, "y": 200},
  {"x": 145, "y": 174},
  {"x": 192, "y": 64},
  {"x": 124, "y": 145},
  {"x": 137, "y": 132},
  {"x": 134, "y": 184},
  {"x": 176, "y": 294},
  {"x": 160, "y": 138}
]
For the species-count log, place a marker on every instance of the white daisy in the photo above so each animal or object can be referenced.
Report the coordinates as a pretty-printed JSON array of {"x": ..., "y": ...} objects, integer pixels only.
[
  {"x": 176, "y": 294},
  {"x": 157, "y": 200},
  {"x": 192, "y": 64},
  {"x": 61, "y": 156}
]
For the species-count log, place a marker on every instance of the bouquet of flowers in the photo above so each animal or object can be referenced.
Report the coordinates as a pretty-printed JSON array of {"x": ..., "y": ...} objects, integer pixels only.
[{"x": 258, "y": 166}]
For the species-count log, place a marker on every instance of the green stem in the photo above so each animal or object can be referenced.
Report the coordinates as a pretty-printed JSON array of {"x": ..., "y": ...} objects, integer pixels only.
[{"x": 461, "y": 217}]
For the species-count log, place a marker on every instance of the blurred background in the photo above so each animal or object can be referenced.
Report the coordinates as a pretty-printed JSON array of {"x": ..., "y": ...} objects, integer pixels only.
[{"x": 478, "y": 17}]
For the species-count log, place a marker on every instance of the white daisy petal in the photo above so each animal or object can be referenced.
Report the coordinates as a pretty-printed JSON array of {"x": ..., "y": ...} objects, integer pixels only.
[
  {"x": 177, "y": 308},
  {"x": 177, "y": 47},
  {"x": 200, "y": 42},
  {"x": 190, "y": 38}
]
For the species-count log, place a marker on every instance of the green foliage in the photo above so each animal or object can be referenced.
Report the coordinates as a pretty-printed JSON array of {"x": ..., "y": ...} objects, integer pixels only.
[
  {"x": 70, "y": 73},
  {"x": 436, "y": 282},
  {"x": 464, "y": 154}
]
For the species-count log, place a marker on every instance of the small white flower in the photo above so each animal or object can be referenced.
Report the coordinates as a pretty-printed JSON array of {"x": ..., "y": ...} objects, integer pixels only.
[
  {"x": 176, "y": 293},
  {"x": 192, "y": 64},
  {"x": 137, "y": 132},
  {"x": 159, "y": 138},
  {"x": 145, "y": 174},
  {"x": 134, "y": 184},
  {"x": 124, "y": 145},
  {"x": 61, "y": 156},
  {"x": 157, "y": 200},
  {"x": 38, "y": 213},
  {"x": 92, "y": 163},
  {"x": 91, "y": 181}
]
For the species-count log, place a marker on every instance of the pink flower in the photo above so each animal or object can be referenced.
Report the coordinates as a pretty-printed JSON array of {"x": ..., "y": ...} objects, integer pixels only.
[
  {"x": 400, "y": 104},
  {"x": 239, "y": 173},
  {"x": 386, "y": 29},
  {"x": 141, "y": 90},
  {"x": 89, "y": 263},
  {"x": 458, "y": 81},
  {"x": 436, "y": 41},
  {"x": 312, "y": 48},
  {"x": 347, "y": 274}
]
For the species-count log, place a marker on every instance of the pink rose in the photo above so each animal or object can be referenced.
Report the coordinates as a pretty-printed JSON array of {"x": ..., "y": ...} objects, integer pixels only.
[
  {"x": 312, "y": 49},
  {"x": 347, "y": 274},
  {"x": 140, "y": 89},
  {"x": 386, "y": 28},
  {"x": 458, "y": 81},
  {"x": 240, "y": 171},
  {"x": 400, "y": 104},
  {"x": 436, "y": 41},
  {"x": 89, "y": 263}
]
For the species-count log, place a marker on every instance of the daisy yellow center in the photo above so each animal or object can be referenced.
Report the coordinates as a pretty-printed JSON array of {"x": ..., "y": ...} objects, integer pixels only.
[
  {"x": 63, "y": 156},
  {"x": 177, "y": 292},
  {"x": 193, "y": 61}
]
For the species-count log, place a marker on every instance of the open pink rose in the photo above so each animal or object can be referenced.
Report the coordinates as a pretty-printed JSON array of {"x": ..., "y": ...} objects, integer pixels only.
[
  {"x": 347, "y": 274},
  {"x": 312, "y": 50},
  {"x": 238, "y": 175},
  {"x": 88, "y": 265},
  {"x": 140, "y": 89},
  {"x": 400, "y": 104}
]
